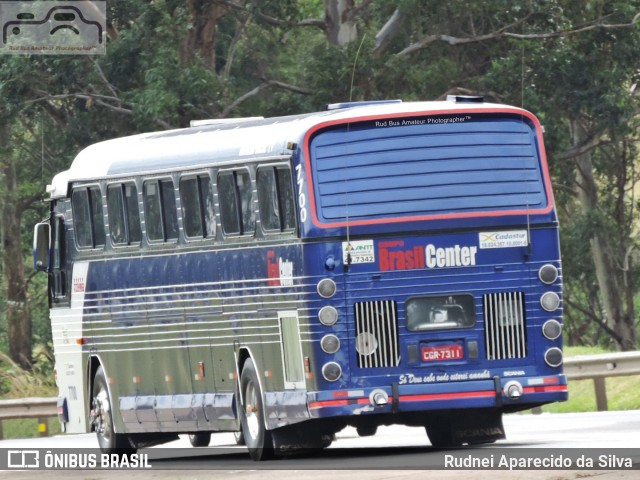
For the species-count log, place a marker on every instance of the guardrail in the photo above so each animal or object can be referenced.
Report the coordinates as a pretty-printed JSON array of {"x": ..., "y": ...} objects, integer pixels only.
[
  {"x": 40, "y": 408},
  {"x": 581, "y": 367},
  {"x": 599, "y": 367}
]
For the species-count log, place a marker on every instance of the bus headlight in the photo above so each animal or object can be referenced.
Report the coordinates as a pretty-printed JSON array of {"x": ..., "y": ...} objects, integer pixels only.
[
  {"x": 331, "y": 371},
  {"x": 330, "y": 343},
  {"x": 548, "y": 274},
  {"x": 326, "y": 288},
  {"x": 550, "y": 301},
  {"x": 553, "y": 357},
  {"x": 552, "y": 329},
  {"x": 328, "y": 315}
]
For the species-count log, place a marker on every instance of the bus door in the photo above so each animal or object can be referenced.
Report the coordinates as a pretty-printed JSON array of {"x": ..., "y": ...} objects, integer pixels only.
[{"x": 58, "y": 278}]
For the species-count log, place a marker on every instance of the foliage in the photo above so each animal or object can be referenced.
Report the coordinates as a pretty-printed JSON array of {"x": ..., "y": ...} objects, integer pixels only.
[
  {"x": 18, "y": 383},
  {"x": 171, "y": 61}
]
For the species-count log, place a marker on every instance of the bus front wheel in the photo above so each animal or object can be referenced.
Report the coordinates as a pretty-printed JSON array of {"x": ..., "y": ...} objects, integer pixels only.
[
  {"x": 102, "y": 419},
  {"x": 256, "y": 436}
]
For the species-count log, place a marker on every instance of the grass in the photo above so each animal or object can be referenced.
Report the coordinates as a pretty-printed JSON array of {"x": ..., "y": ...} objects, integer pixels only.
[
  {"x": 28, "y": 427},
  {"x": 18, "y": 383}
]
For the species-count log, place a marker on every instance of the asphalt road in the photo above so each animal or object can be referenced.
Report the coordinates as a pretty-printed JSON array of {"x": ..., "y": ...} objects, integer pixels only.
[{"x": 607, "y": 438}]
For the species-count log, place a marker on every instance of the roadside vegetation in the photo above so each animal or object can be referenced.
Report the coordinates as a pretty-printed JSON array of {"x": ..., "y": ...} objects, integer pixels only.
[{"x": 622, "y": 392}]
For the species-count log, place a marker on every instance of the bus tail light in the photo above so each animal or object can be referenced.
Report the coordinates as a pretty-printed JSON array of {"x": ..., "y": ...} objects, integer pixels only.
[
  {"x": 552, "y": 329},
  {"x": 548, "y": 274},
  {"x": 331, "y": 371},
  {"x": 550, "y": 301},
  {"x": 307, "y": 365},
  {"x": 330, "y": 343},
  {"x": 328, "y": 315},
  {"x": 327, "y": 288},
  {"x": 553, "y": 357}
]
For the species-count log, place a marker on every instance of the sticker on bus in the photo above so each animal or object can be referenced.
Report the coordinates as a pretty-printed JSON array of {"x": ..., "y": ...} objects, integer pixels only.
[
  {"x": 512, "y": 238},
  {"x": 361, "y": 251}
]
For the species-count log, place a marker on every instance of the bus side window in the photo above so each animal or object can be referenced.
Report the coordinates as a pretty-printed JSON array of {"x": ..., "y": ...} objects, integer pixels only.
[
  {"x": 161, "y": 216},
  {"x": 245, "y": 195},
  {"x": 88, "y": 217},
  {"x": 124, "y": 217},
  {"x": 228, "y": 204},
  {"x": 197, "y": 207},
  {"x": 285, "y": 198},
  {"x": 133, "y": 213},
  {"x": 169, "y": 212},
  {"x": 236, "y": 202},
  {"x": 275, "y": 196}
]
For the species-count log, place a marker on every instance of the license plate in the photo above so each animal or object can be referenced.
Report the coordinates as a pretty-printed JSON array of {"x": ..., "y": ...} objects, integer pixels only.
[{"x": 442, "y": 352}]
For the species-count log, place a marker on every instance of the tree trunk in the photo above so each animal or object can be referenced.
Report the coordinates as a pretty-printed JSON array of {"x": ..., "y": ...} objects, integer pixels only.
[
  {"x": 18, "y": 311},
  {"x": 609, "y": 275},
  {"x": 341, "y": 26},
  {"x": 387, "y": 33},
  {"x": 201, "y": 38}
]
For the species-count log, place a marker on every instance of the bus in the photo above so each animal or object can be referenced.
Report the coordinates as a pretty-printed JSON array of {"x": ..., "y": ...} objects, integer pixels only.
[{"x": 375, "y": 263}]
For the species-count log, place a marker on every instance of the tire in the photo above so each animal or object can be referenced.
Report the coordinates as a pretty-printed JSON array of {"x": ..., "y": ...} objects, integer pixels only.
[
  {"x": 239, "y": 437},
  {"x": 367, "y": 431},
  {"x": 256, "y": 436},
  {"x": 200, "y": 439},
  {"x": 102, "y": 419},
  {"x": 441, "y": 436}
]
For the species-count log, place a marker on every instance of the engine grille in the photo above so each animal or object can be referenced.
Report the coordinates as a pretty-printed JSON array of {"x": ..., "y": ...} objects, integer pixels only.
[
  {"x": 377, "y": 334},
  {"x": 505, "y": 327}
]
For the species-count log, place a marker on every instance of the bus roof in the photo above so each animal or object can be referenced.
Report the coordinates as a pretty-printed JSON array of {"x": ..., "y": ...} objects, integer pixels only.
[{"x": 215, "y": 143}]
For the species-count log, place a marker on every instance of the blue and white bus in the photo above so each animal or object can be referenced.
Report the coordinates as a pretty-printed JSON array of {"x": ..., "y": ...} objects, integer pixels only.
[{"x": 372, "y": 264}]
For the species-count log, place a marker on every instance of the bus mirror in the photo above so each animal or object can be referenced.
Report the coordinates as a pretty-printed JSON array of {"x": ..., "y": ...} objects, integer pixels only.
[{"x": 41, "y": 247}]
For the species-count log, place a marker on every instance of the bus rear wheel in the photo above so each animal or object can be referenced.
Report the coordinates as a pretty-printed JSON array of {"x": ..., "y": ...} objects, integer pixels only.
[
  {"x": 442, "y": 436},
  {"x": 102, "y": 419},
  {"x": 256, "y": 436},
  {"x": 200, "y": 439}
]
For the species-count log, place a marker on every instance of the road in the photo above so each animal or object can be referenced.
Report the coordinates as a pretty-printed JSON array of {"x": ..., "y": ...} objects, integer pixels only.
[{"x": 394, "y": 452}]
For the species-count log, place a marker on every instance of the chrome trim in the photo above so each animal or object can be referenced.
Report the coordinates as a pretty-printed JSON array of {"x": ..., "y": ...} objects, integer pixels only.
[
  {"x": 504, "y": 322},
  {"x": 379, "y": 319}
]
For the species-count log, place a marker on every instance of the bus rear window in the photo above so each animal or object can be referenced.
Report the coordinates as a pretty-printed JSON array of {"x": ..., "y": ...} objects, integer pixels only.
[
  {"x": 427, "y": 167},
  {"x": 440, "y": 312}
]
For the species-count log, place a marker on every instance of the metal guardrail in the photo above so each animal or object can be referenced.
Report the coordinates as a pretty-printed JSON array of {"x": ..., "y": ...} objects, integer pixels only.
[
  {"x": 599, "y": 367},
  {"x": 581, "y": 367},
  {"x": 602, "y": 365},
  {"x": 40, "y": 408}
]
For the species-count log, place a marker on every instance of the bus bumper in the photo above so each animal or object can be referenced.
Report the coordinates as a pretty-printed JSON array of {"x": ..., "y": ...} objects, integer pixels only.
[{"x": 502, "y": 393}]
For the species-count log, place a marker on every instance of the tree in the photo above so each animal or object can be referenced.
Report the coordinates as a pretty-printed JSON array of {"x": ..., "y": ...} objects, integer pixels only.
[{"x": 170, "y": 61}]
